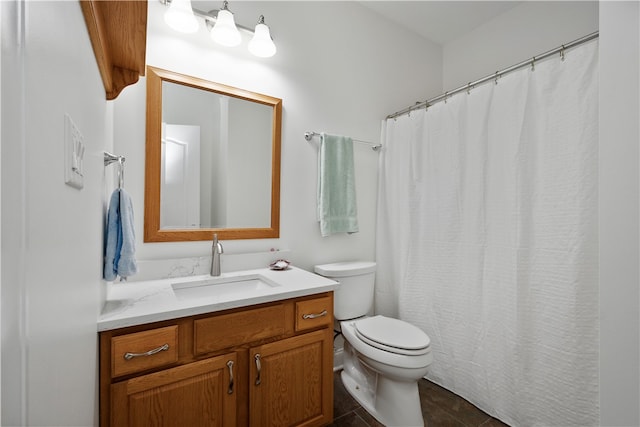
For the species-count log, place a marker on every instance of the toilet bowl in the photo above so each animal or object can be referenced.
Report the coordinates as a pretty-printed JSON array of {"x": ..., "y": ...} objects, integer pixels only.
[
  {"x": 384, "y": 380},
  {"x": 383, "y": 358}
]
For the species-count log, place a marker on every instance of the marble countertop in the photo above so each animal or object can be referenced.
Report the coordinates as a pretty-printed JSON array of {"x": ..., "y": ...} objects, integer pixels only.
[{"x": 136, "y": 303}]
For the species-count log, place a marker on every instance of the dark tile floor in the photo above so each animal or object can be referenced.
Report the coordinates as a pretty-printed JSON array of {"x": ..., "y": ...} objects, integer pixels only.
[{"x": 440, "y": 408}]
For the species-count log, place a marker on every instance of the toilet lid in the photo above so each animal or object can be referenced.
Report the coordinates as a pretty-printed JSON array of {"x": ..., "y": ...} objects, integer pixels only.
[{"x": 392, "y": 335}]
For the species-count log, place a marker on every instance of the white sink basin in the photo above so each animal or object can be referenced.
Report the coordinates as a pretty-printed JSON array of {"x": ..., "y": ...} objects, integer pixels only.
[{"x": 224, "y": 287}]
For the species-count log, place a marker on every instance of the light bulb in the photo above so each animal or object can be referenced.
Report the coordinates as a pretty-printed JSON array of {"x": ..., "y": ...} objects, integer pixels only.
[
  {"x": 224, "y": 31},
  {"x": 261, "y": 44},
  {"x": 180, "y": 17}
]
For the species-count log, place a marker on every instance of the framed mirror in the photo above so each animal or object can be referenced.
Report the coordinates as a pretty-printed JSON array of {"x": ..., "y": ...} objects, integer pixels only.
[{"x": 212, "y": 161}]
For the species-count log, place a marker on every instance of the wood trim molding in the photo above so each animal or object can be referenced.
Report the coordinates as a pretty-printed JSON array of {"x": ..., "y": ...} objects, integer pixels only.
[{"x": 118, "y": 33}]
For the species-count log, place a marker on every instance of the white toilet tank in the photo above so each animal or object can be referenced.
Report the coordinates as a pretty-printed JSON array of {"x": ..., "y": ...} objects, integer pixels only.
[{"x": 354, "y": 297}]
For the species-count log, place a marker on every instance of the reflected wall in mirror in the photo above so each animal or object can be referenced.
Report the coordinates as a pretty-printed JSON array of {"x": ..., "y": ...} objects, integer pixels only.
[{"x": 212, "y": 160}]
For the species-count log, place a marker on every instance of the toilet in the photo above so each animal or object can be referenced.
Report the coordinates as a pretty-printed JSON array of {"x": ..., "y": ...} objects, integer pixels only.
[{"x": 383, "y": 357}]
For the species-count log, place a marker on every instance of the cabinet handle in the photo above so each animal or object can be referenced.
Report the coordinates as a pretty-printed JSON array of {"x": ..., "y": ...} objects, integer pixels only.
[
  {"x": 314, "y": 315},
  {"x": 257, "y": 359},
  {"x": 230, "y": 365},
  {"x": 129, "y": 356}
]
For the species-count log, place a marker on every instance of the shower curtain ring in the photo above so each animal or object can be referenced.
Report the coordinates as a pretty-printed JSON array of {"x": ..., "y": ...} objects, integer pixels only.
[
  {"x": 496, "y": 78},
  {"x": 469, "y": 88},
  {"x": 533, "y": 63},
  {"x": 562, "y": 53}
]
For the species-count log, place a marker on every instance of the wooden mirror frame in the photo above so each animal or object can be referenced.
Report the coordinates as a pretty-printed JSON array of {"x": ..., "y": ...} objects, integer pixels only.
[{"x": 152, "y": 230}]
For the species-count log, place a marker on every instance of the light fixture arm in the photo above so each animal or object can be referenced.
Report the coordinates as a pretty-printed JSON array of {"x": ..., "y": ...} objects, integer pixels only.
[{"x": 210, "y": 19}]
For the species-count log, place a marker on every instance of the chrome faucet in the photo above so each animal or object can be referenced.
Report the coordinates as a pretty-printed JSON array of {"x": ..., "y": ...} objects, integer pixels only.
[{"x": 216, "y": 250}]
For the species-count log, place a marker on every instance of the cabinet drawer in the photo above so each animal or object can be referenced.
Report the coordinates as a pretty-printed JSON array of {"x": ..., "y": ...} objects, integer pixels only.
[
  {"x": 228, "y": 330},
  {"x": 144, "y": 350},
  {"x": 313, "y": 313}
]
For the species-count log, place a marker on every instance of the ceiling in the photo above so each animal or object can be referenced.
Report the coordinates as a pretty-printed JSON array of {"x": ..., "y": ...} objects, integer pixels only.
[{"x": 440, "y": 21}]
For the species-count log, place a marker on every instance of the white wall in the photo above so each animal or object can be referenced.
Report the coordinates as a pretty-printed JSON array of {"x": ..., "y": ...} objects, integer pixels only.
[
  {"x": 2, "y": 25},
  {"x": 619, "y": 253},
  {"x": 338, "y": 69},
  {"x": 51, "y": 233},
  {"x": 520, "y": 33},
  {"x": 13, "y": 352}
]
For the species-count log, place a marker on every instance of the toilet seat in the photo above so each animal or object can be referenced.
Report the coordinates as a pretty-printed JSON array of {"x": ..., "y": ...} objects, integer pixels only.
[
  {"x": 392, "y": 360},
  {"x": 393, "y": 335}
]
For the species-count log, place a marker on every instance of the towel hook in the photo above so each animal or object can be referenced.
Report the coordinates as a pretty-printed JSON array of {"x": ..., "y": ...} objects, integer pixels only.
[
  {"x": 111, "y": 158},
  {"x": 121, "y": 172}
]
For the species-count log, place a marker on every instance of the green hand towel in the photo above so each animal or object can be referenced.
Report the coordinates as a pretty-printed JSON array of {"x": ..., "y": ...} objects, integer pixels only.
[{"x": 337, "y": 209}]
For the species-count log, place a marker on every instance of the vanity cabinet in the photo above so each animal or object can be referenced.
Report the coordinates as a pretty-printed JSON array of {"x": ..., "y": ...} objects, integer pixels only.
[
  {"x": 286, "y": 382},
  {"x": 196, "y": 394},
  {"x": 268, "y": 364}
]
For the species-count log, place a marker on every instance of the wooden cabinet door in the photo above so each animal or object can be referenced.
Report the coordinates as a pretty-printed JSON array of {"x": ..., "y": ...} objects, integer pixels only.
[
  {"x": 291, "y": 382},
  {"x": 197, "y": 394}
]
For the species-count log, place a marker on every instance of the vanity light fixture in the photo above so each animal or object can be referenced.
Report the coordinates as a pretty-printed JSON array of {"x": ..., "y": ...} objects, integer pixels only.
[
  {"x": 262, "y": 44},
  {"x": 224, "y": 31},
  {"x": 181, "y": 17}
]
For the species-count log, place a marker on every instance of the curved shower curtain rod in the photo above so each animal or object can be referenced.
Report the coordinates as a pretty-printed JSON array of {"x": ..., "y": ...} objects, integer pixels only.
[{"x": 495, "y": 76}]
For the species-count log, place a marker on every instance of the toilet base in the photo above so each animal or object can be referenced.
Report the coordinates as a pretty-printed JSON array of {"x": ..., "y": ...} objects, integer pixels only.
[
  {"x": 338, "y": 356},
  {"x": 390, "y": 402}
]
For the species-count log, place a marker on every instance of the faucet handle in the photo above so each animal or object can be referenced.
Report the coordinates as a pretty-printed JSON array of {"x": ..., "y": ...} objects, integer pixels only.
[
  {"x": 217, "y": 245},
  {"x": 216, "y": 250}
]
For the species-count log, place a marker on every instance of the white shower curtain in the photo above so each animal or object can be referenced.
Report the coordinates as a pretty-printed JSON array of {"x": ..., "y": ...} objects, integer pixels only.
[{"x": 487, "y": 240}]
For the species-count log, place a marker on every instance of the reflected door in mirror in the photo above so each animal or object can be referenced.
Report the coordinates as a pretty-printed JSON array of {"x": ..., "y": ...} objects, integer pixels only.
[{"x": 180, "y": 177}]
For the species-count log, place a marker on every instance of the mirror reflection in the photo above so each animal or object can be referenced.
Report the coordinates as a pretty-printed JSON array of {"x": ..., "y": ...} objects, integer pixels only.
[
  {"x": 213, "y": 160},
  {"x": 216, "y": 160}
]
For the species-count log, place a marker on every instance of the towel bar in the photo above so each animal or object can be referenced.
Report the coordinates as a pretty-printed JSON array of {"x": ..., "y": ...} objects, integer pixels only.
[{"x": 375, "y": 147}]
